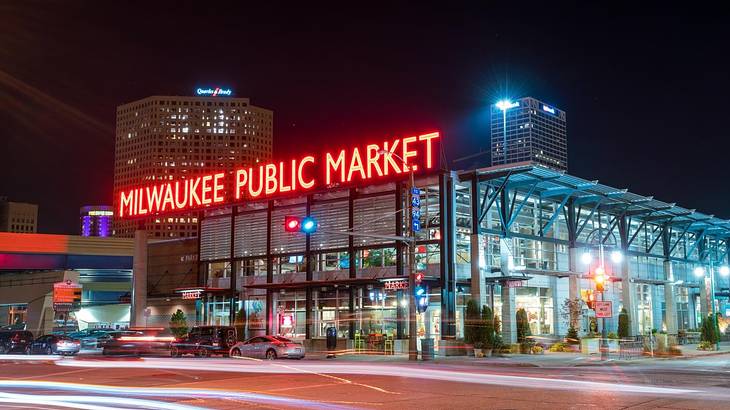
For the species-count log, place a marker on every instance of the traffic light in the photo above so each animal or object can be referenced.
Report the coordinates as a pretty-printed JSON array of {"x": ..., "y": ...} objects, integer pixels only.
[
  {"x": 292, "y": 223},
  {"x": 600, "y": 277},
  {"x": 309, "y": 225},
  {"x": 297, "y": 224},
  {"x": 420, "y": 293},
  {"x": 591, "y": 300}
]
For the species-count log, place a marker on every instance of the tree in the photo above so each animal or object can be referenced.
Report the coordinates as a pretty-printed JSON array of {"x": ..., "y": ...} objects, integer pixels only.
[
  {"x": 571, "y": 311},
  {"x": 471, "y": 323},
  {"x": 623, "y": 324},
  {"x": 709, "y": 330},
  {"x": 240, "y": 324},
  {"x": 488, "y": 331},
  {"x": 179, "y": 324},
  {"x": 523, "y": 326}
]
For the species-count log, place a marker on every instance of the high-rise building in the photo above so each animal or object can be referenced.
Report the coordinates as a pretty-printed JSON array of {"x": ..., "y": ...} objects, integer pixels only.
[
  {"x": 96, "y": 220},
  {"x": 18, "y": 217},
  {"x": 164, "y": 138},
  {"x": 529, "y": 130}
]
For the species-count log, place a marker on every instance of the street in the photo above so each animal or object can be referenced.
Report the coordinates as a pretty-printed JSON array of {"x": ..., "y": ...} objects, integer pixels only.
[{"x": 222, "y": 383}]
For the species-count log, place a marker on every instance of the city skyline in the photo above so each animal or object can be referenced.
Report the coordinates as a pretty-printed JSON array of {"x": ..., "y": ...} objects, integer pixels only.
[{"x": 606, "y": 80}]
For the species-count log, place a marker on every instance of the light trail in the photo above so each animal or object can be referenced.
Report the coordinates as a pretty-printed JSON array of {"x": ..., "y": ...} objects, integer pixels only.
[
  {"x": 418, "y": 372},
  {"x": 92, "y": 402},
  {"x": 124, "y": 391}
]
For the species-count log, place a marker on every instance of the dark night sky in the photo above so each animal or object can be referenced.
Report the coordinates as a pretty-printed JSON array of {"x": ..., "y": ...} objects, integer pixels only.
[{"x": 646, "y": 97}]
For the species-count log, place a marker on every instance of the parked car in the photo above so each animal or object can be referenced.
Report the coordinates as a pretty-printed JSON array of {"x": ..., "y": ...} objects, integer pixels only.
[
  {"x": 55, "y": 344},
  {"x": 204, "y": 341},
  {"x": 268, "y": 347},
  {"x": 15, "y": 341},
  {"x": 91, "y": 338},
  {"x": 137, "y": 342}
]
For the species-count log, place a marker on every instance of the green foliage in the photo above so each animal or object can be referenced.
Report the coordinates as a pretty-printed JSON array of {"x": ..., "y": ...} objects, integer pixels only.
[
  {"x": 612, "y": 335},
  {"x": 572, "y": 336},
  {"x": 488, "y": 327},
  {"x": 623, "y": 324},
  {"x": 571, "y": 310},
  {"x": 709, "y": 332},
  {"x": 705, "y": 345},
  {"x": 178, "y": 324},
  {"x": 560, "y": 347},
  {"x": 523, "y": 326},
  {"x": 472, "y": 331}
]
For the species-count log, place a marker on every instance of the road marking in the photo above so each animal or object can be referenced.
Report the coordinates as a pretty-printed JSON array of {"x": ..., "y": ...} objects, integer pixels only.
[
  {"x": 341, "y": 379},
  {"x": 52, "y": 374}
]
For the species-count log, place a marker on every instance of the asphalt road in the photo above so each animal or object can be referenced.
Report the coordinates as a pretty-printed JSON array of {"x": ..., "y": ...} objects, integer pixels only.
[{"x": 32, "y": 382}]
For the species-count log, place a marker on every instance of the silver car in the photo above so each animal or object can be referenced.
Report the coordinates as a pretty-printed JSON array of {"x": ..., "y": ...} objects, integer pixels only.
[{"x": 268, "y": 347}]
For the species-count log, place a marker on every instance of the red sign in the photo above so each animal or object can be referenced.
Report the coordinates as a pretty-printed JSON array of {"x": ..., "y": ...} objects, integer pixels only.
[
  {"x": 604, "y": 308},
  {"x": 192, "y": 294},
  {"x": 396, "y": 285},
  {"x": 364, "y": 163},
  {"x": 66, "y": 295}
]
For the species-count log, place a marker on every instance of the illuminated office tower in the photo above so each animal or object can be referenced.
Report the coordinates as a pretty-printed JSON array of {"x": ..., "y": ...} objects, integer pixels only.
[
  {"x": 529, "y": 130},
  {"x": 163, "y": 138},
  {"x": 96, "y": 220}
]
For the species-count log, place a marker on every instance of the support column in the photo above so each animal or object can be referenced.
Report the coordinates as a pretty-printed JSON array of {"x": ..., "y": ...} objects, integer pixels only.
[
  {"x": 139, "y": 279},
  {"x": 478, "y": 284},
  {"x": 670, "y": 303},
  {"x": 574, "y": 282},
  {"x": 509, "y": 322},
  {"x": 628, "y": 296}
]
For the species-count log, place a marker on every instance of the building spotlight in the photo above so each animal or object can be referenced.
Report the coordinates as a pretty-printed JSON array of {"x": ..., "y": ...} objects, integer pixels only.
[
  {"x": 586, "y": 258},
  {"x": 724, "y": 270},
  {"x": 699, "y": 271},
  {"x": 617, "y": 257},
  {"x": 505, "y": 105}
]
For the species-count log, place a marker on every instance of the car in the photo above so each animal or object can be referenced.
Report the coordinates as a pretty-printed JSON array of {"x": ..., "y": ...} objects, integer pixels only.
[
  {"x": 138, "y": 341},
  {"x": 268, "y": 347},
  {"x": 55, "y": 344},
  {"x": 15, "y": 341},
  {"x": 204, "y": 341},
  {"x": 91, "y": 338}
]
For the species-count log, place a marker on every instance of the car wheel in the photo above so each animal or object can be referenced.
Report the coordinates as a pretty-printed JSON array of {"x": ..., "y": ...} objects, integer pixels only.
[
  {"x": 235, "y": 353},
  {"x": 49, "y": 351},
  {"x": 270, "y": 354},
  {"x": 204, "y": 353},
  {"x": 175, "y": 352},
  {"x": 104, "y": 352}
]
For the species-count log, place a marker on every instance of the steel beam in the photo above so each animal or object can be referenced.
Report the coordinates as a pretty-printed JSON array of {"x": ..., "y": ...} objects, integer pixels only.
[{"x": 552, "y": 219}]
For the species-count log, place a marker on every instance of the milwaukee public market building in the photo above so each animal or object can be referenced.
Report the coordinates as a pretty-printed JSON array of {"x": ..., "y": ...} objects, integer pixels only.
[{"x": 518, "y": 236}]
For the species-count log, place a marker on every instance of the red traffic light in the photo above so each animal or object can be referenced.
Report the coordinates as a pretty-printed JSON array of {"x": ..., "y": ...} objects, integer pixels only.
[
  {"x": 292, "y": 223},
  {"x": 419, "y": 277}
]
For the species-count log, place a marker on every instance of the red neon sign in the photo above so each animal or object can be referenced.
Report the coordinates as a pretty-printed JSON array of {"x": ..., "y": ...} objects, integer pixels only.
[{"x": 359, "y": 164}]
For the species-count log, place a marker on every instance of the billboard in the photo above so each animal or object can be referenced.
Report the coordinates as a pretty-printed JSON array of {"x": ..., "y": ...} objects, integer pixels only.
[
  {"x": 367, "y": 163},
  {"x": 66, "y": 296}
]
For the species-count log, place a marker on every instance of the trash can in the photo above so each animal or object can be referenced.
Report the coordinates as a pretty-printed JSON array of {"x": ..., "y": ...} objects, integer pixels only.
[
  {"x": 427, "y": 349},
  {"x": 331, "y": 340}
]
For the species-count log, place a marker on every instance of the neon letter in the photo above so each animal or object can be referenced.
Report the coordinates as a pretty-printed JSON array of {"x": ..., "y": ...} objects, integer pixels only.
[
  {"x": 206, "y": 189},
  {"x": 339, "y": 164},
  {"x": 389, "y": 157},
  {"x": 178, "y": 204},
  {"x": 407, "y": 154},
  {"x": 282, "y": 187},
  {"x": 251, "y": 191},
  {"x": 155, "y": 197},
  {"x": 428, "y": 138},
  {"x": 126, "y": 201},
  {"x": 304, "y": 184},
  {"x": 353, "y": 167},
  {"x": 142, "y": 210},
  {"x": 218, "y": 187},
  {"x": 193, "y": 192},
  {"x": 271, "y": 183},
  {"x": 373, "y": 160},
  {"x": 241, "y": 179},
  {"x": 168, "y": 198}
]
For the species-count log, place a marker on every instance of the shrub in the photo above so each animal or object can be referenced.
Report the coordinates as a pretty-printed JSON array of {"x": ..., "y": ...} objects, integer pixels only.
[
  {"x": 488, "y": 327},
  {"x": 537, "y": 350},
  {"x": 497, "y": 325},
  {"x": 709, "y": 330},
  {"x": 178, "y": 324},
  {"x": 705, "y": 345},
  {"x": 612, "y": 335},
  {"x": 560, "y": 347},
  {"x": 471, "y": 323},
  {"x": 523, "y": 326},
  {"x": 572, "y": 336},
  {"x": 623, "y": 324}
]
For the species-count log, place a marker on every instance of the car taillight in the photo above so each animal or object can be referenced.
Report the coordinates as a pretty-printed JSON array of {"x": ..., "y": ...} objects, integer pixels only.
[{"x": 147, "y": 338}]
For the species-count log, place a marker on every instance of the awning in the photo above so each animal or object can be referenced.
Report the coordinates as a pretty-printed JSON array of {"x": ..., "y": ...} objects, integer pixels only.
[{"x": 319, "y": 283}]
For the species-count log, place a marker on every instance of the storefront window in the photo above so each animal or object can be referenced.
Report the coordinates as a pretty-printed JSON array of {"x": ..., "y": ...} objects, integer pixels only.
[
  {"x": 289, "y": 264},
  {"x": 331, "y": 308},
  {"x": 251, "y": 267},
  {"x": 682, "y": 308},
  {"x": 219, "y": 270},
  {"x": 538, "y": 303},
  {"x": 291, "y": 314},
  {"x": 332, "y": 261},
  {"x": 644, "y": 305},
  {"x": 370, "y": 258},
  {"x": 218, "y": 310}
]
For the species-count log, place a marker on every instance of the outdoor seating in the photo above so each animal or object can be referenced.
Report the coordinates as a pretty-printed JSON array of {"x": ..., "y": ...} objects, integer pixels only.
[{"x": 389, "y": 344}]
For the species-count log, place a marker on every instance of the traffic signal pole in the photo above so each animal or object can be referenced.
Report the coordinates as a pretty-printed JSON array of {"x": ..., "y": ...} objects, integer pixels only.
[{"x": 412, "y": 325}]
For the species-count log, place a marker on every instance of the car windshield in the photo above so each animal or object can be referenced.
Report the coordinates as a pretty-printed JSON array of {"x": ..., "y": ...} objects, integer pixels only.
[{"x": 282, "y": 339}]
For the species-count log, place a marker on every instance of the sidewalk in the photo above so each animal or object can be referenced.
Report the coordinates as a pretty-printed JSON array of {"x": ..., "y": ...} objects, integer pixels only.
[{"x": 548, "y": 359}]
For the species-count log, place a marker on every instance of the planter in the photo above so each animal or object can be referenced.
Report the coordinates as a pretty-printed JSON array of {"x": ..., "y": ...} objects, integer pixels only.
[
  {"x": 589, "y": 345},
  {"x": 487, "y": 352},
  {"x": 478, "y": 352}
]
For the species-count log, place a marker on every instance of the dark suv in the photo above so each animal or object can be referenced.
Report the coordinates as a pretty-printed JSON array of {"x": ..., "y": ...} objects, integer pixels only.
[
  {"x": 15, "y": 341},
  {"x": 204, "y": 341}
]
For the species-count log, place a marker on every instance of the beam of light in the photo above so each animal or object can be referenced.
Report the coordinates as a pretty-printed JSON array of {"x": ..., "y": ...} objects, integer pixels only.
[
  {"x": 186, "y": 393},
  {"x": 30, "y": 358},
  {"x": 225, "y": 365},
  {"x": 92, "y": 402}
]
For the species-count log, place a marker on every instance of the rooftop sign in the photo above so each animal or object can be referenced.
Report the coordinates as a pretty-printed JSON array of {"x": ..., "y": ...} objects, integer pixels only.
[
  {"x": 551, "y": 110},
  {"x": 366, "y": 163},
  {"x": 214, "y": 92}
]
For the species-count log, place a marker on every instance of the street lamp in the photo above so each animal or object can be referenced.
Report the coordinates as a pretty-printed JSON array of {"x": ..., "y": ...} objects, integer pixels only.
[{"x": 412, "y": 327}]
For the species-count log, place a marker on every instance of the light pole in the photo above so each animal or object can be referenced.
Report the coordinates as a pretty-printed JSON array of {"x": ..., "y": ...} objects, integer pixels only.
[
  {"x": 412, "y": 326},
  {"x": 700, "y": 272},
  {"x": 600, "y": 277}
]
